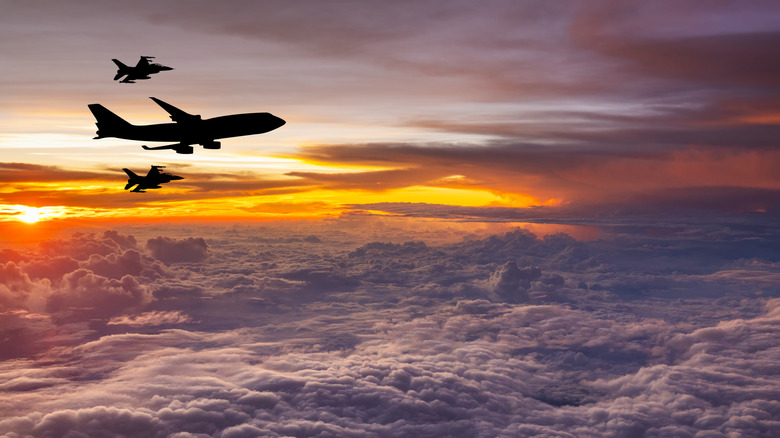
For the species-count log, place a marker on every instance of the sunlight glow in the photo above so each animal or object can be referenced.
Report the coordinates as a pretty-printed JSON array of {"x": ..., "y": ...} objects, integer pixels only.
[{"x": 28, "y": 214}]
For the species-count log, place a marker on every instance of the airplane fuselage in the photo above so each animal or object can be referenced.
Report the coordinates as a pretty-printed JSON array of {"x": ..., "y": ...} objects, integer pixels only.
[
  {"x": 199, "y": 131},
  {"x": 187, "y": 129}
]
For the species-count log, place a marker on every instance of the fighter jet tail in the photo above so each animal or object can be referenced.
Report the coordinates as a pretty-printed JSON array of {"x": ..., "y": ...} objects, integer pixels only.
[
  {"x": 123, "y": 69},
  {"x": 108, "y": 123},
  {"x": 133, "y": 180}
]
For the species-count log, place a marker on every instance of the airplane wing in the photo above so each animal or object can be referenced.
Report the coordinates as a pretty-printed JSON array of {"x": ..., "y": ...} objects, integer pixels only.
[
  {"x": 153, "y": 172},
  {"x": 143, "y": 184},
  {"x": 176, "y": 114},
  {"x": 143, "y": 62},
  {"x": 180, "y": 148}
]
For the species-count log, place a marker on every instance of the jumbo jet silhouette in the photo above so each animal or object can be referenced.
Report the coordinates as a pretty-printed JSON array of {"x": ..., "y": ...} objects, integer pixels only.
[{"x": 187, "y": 130}]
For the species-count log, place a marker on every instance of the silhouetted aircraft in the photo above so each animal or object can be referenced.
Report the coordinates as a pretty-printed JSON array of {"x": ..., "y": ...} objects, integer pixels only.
[
  {"x": 189, "y": 129},
  {"x": 142, "y": 70},
  {"x": 152, "y": 180}
]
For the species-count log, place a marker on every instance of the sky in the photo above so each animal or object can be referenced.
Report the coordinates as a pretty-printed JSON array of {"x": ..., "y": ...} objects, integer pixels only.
[
  {"x": 496, "y": 218},
  {"x": 510, "y": 104}
]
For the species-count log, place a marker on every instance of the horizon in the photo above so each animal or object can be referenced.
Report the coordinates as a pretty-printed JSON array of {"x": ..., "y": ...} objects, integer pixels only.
[{"x": 511, "y": 218}]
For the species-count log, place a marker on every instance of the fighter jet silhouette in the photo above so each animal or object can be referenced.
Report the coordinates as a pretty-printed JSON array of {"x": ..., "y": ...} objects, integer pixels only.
[
  {"x": 142, "y": 70},
  {"x": 152, "y": 180},
  {"x": 187, "y": 130}
]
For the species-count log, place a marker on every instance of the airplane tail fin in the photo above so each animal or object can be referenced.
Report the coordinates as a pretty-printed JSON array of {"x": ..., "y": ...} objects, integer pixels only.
[
  {"x": 123, "y": 69},
  {"x": 108, "y": 123},
  {"x": 130, "y": 173},
  {"x": 133, "y": 178}
]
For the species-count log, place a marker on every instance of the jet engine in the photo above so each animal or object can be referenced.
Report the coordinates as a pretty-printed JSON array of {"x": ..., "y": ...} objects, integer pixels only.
[
  {"x": 212, "y": 145},
  {"x": 184, "y": 149}
]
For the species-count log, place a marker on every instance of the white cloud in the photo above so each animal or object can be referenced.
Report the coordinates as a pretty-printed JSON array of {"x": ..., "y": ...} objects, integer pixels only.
[{"x": 386, "y": 338}]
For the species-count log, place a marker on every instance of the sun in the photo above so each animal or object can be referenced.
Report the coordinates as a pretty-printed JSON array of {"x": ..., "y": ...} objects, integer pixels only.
[
  {"x": 32, "y": 215},
  {"x": 29, "y": 215}
]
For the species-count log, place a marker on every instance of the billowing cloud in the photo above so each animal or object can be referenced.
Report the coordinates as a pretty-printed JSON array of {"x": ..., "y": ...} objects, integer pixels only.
[
  {"x": 82, "y": 290},
  {"x": 390, "y": 329},
  {"x": 191, "y": 249}
]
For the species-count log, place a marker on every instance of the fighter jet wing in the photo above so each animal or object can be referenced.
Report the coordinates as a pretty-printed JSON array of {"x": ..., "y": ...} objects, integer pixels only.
[
  {"x": 176, "y": 114},
  {"x": 143, "y": 62},
  {"x": 153, "y": 172}
]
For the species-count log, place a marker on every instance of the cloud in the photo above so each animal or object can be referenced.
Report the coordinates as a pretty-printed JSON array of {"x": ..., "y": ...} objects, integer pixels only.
[
  {"x": 526, "y": 368},
  {"x": 131, "y": 261},
  {"x": 511, "y": 282},
  {"x": 189, "y": 250},
  {"x": 81, "y": 246},
  {"x": 26, "y": 172},
  {"x": 394, "y": 328},
  {"x": 151, "y": 319},
  {"x": 84, "y": 291},
  {"x": 567, "y": 173},
  {"x": 15, "y": 285}
]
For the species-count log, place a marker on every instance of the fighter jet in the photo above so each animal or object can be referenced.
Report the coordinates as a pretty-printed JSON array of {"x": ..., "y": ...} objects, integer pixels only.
[
  {"x": 152, "y": 180},
  {"x": 142, "y": 70},
  {"x": 187, "y": 130}
]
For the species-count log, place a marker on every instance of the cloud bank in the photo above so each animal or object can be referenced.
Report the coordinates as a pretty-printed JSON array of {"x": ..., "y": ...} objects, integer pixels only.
[{"x": 327, "y": 330}]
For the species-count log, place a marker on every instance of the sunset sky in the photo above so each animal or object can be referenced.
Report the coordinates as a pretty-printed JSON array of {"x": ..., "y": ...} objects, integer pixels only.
[
  {"x": 505, "y": 103},
  {"x": 482, "y": 218}
]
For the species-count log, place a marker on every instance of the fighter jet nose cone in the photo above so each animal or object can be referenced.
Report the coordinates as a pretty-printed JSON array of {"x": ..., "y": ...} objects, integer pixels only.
[{"x": 279, "y": 122}]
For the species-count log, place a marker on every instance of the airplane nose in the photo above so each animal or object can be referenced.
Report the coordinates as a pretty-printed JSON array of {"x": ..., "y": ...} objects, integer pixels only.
[{"x": 277, "y": 121}]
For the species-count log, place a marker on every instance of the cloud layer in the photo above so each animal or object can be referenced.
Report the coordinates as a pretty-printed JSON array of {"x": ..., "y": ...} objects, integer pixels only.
[{"x": 325, "y": 330}]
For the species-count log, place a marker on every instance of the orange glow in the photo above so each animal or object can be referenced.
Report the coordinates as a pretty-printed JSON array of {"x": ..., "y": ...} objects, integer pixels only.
[
  {"x": 763, "y": 119},
  {"x": 30, "y": 215},
  {"x": 313, "y": 203}
]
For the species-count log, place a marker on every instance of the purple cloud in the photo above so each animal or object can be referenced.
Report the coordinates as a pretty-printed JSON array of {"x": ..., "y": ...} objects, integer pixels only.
[{"x": 187, "y": 250}]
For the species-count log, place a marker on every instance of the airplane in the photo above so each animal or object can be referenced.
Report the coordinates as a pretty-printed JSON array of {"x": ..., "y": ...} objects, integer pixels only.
[
  {"x": 142, "y": 70},
  {"x": 187, "y": 130},
  {"x": 152, "y": 180}
]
